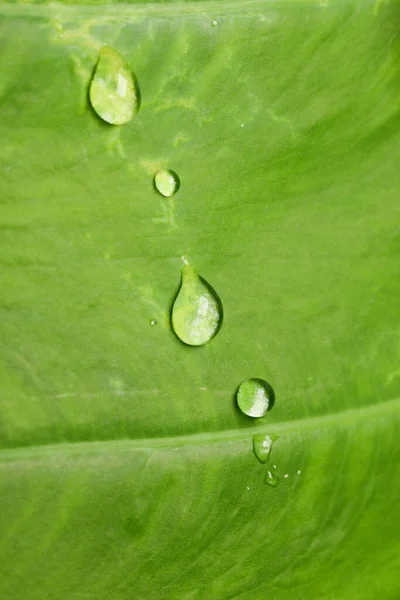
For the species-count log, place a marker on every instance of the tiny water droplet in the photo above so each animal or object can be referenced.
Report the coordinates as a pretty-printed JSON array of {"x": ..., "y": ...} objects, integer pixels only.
[
  {"x": 271, "y": 479},
  {"x": 114, "y": 91},
  {"x": 167, "y": 182},
  {"x": 285, "y": 476},
  {"x": 255, "y": 397},
  {"x": 274, "y": 466},
  {"x": 262, "y": 445},
  {"x": 153, "y": 322},
  {"x": 197, "y": 311},
  {"x": 214, "y": 23},
  {"x": 298, "y": 472}
]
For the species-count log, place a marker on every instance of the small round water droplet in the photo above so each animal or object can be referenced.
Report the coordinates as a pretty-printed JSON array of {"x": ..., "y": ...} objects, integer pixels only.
[
  {"x": 271, "y": 479},
  {"x": 262, "y": 445},
  {"x": 298, "y": 472},
  {"x": 197, "y": 311},
  {"x": 153, "y": 322},
  {"x": 255, "y": 397},
  {"x": 114, "y": 91},
  {"x": 214, "y": 23},
  {"x": 167, "y": 182},
  {"x": 285, "y": 476}
]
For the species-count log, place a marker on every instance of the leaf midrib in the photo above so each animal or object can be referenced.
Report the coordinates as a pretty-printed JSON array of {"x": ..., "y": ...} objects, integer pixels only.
[{"x": 341, "y": 419}]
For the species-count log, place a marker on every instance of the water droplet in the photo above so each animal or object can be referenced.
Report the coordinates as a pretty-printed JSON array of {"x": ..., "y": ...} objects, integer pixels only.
[
  {"x": 255, "y": 397},
  {"x": 214, "y": 23},
  {"x": 153, "y": 322},
  {"x": 274, "y": 466},
  {"x": 167, "y": 182},
  {"x": 262, "y": 445},
  {"x": 197, "y": 310},
  {"x": 298, "y": 472},
  {"x": 114, "y": 91},
  {"x": 271, "y": 479},
  {"x": 285, "y": 476}
]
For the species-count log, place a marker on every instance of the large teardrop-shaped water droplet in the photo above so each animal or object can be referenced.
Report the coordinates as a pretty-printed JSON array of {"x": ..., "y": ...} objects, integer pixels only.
[
  {"x": 255, "y": 397},
  {"x": 262, "y": 445},
  {"x": 197, "y": 310},
  {"x": 167, "y": 182},
  {"x": 114, "y": 91}
]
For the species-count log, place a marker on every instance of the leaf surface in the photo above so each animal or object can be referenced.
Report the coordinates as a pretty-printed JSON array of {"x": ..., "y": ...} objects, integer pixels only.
[{"x": 127, "y": 470}]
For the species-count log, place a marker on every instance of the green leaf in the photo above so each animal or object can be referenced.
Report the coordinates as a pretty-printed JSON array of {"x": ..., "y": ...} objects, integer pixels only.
[{"x": 127, "y": 470}]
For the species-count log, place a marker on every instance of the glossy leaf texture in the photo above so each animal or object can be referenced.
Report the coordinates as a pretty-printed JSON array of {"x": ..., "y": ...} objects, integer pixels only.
[{"x": 127, "y": 470}]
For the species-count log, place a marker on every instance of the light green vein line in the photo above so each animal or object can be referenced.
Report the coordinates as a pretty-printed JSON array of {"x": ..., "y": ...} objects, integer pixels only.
[{"x": 342, "y": 419}]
